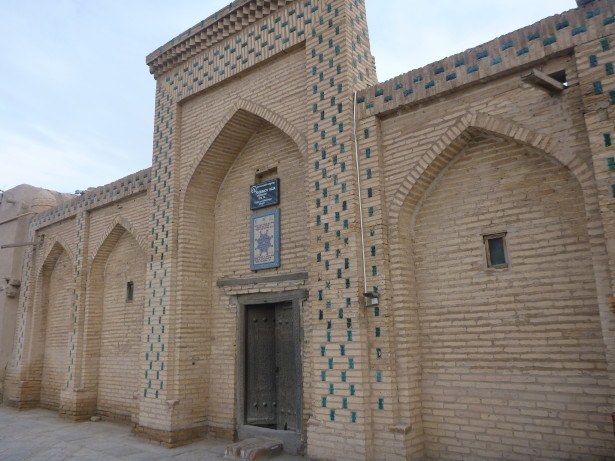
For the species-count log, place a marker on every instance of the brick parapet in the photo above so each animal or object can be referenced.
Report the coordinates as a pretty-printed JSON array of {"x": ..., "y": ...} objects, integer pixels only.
[
  {"x": 277, "y": 32},
  {"x": 511, "y": 52},
  {"x": 98, "y": 197}
]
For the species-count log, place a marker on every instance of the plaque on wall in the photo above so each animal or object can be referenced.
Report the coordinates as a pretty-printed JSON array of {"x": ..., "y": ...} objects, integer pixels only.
[
  {"x": 265, "y": 194},
  {"x": 265, "y": 240}
]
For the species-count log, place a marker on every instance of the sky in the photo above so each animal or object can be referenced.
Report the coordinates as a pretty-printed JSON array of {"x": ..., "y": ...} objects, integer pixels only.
[{"x": 77, "y": 99}]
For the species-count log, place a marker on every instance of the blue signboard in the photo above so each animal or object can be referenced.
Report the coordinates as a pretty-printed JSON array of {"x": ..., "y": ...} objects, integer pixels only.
[
  {"x": 265, "y": 194},
  {"x": 265, "y": 240}
]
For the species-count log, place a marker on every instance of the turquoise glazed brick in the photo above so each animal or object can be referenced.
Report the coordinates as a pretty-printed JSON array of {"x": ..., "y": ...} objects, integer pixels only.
[
  {"x": 593, "y": 61},
  {"x": 579, "y": 30},
  {"x": 507, "y": 45},
  {"x": 523, "y": 51}
]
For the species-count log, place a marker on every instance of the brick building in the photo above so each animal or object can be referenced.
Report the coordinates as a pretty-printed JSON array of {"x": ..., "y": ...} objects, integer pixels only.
[{"x": 431, "y": 277}]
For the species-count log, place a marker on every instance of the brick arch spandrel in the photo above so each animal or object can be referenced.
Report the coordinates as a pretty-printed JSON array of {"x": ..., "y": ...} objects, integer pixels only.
[
  {"x": 55, "y": 244},
  {"x": 255, "y": 111},
  {"x": 125, "y": 225},
  {"x": 456, "y": 138}
]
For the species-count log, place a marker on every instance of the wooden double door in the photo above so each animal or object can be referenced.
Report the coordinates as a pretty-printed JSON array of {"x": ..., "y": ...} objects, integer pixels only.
[{"x": 271, "y": 370}]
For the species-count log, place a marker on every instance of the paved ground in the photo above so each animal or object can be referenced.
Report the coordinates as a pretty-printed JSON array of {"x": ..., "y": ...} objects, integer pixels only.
[{"x": 40, "y": 435}]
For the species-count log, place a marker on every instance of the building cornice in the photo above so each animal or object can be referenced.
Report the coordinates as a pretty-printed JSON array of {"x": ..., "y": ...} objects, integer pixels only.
[
  {"x": 517, "y": 50},
  {"x": 226, "y": 22}
]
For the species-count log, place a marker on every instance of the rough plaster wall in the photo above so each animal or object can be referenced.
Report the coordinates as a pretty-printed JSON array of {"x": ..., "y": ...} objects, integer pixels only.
[
  {"x": 59, "y": 294},
  {"x": 513, "y": 360},
  {"x": 267, "y": 148},
  {"x": 122, "y": 323}
]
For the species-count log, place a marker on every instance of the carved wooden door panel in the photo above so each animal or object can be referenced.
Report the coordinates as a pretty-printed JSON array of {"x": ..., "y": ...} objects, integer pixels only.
[
  {"x": 286, "y": 368},
  {"x": 260, "y": 366}
]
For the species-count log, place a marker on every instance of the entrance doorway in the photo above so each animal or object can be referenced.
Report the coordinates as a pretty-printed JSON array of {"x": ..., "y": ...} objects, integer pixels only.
[
  {"x": 271, "y": 367},
  {"x": 269, "y": 398}
]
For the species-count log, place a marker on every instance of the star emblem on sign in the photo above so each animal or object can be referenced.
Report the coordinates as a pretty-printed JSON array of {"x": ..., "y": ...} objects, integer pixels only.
[{"x": 264, "y": 242}]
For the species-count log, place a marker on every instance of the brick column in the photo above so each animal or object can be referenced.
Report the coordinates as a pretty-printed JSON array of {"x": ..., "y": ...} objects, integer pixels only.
[
  {"x": 20, "y": 390},
  {"x": 76, "y": 402},
  {"x": 156, "y": 405},
  {"x": 345, "y": 409},
  {"x": 595, "y": 62},
  {"x": 395, "y": 418}
]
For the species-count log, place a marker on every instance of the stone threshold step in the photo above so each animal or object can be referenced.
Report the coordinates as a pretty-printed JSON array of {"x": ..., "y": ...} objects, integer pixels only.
[{"x": 254, "y": 449}]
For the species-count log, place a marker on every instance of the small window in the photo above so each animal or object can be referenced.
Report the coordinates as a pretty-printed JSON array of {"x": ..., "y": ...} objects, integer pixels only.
[
  {"x": 266, "y": 174},
  {"x": 495, "y": 250},
  {"x": 560, "y": 76},
  {"x": 130, "y": 291}
]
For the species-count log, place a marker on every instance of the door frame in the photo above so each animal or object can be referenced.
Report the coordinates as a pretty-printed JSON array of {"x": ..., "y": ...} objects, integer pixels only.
[{"x": 291, "y": 439}]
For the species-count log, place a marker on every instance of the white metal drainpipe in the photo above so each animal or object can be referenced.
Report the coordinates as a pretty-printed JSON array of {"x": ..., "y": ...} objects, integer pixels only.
[{"x": 356, "y": 156}]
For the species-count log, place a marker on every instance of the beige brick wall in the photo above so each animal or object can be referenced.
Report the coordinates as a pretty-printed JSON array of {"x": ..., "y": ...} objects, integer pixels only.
[
  {"x": 59, "y": 290},
  {"x": 410, "y": 142},
  {"x": 512, "y": 360},
  {"x": 268, "y": 148},
  {"x": 122, "y": 323}
]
